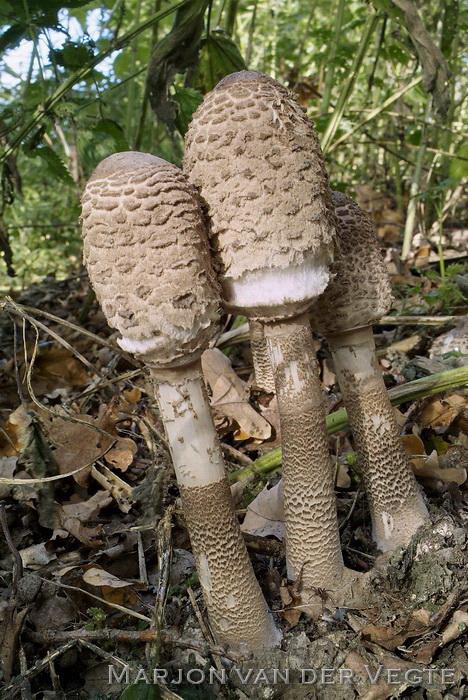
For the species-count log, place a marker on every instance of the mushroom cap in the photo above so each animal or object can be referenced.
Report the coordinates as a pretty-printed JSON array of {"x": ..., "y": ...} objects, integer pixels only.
[
  {"x": 360, "y": 292},
  {"x": 255, "y": 158},
  {"x": 147, "y": 254}
]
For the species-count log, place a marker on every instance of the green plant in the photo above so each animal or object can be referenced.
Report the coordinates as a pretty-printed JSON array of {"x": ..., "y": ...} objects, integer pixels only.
[{"x": 98, "y": 619}]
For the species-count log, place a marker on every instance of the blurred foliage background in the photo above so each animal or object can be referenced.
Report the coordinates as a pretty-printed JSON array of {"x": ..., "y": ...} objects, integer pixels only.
[{"x": 382, "y": 80}]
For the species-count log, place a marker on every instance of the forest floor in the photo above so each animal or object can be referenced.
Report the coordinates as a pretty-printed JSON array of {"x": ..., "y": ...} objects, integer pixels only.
[{"x": 95, "y": 551}]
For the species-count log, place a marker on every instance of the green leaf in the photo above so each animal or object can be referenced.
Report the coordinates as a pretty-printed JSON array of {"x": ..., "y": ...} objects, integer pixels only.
[
  {"x": 188, "y": 100},
  {"x": 219, "y": 56},
  {"x": 175, "y": 53},
  {"x": 111, "y": 128},
  {"x": 141, "y": 691},
  {"x": 55, "y": 164},
  {"x": 13, "y": 36},
  {"x": 72, "y": 55},
  {"x": 458, "y": 167},
  {"x": 121, "y": 65}
]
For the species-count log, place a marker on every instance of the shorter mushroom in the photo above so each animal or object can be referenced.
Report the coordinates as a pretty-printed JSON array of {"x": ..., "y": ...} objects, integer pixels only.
[
  {"x": 147, "y": 254},
  {"x": 358, "y": 296}
]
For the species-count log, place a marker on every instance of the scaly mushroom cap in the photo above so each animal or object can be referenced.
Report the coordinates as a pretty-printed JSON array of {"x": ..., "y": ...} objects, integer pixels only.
[
  {"x": 255, "y": 158},
  {"x": 360, "y": 292},
  {"x": 147, "y": 255}
]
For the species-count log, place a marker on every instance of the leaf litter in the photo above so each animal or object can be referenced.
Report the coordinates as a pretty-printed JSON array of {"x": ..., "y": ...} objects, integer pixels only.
[{"x": 92, "y": 560}]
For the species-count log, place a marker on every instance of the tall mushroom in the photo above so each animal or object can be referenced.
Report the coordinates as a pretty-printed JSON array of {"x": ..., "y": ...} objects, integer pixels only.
[
  {"x": 255, "y": 158},
  {"x": 147, "y": 254},
  {"x": 358, "y": 296}
]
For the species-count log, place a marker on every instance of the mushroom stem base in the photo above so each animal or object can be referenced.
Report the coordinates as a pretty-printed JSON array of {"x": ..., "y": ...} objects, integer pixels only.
[
  {"x": 312, "y": 539},
  {"x": 395, "y": 500}
]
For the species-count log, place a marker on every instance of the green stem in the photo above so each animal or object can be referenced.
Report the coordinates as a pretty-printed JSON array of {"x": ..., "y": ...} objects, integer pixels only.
[
  {"x": 427, "y": 386},
  {"x": 440, "y": 250},
  {"x": 415, "y": 186},
  {"x": 132, "y": 88},
  {"x": 337, "y": 115},
  {"x": 331, "y": 57},
  {"x": 375, "y": 112}
]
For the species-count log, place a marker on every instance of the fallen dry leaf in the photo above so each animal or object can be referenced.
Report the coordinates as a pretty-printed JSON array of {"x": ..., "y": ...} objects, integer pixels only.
[
  {"x": 84, "y": 510},
  {"x": 77, "y": 444},
  {"x": 121, "y": 455},
  {"x": 343, "y": 480},
  {"x": 265, "y": 515},
  {"x": 440, "y": 413},
  {"x": 229, "y": 396},
  {"x": 96, "y": 576},
  {"x": 71, "y": 516},
  {"x": 390, "y": 637},
  {"x": 133, "y": 395},
  {"x": 113, "y": 589},
  {"x": 428, "y": 466},
  {"x": 362, "y": 673},
  {"x": 457, "y": 626},
  {"x": 52, "y": 611},
  {"x": 36, "y": 556},
  {"x": 57, "y": 369},
  {"x": 290, "y": 601},
  {"x": 12, "y": 438}
]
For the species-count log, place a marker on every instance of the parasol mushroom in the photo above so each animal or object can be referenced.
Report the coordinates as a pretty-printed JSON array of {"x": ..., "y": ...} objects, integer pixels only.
[
  {"x": 147, "y": 254},
  {"x": 358, "y": 296},
  {"x": 255, "y": 158}
]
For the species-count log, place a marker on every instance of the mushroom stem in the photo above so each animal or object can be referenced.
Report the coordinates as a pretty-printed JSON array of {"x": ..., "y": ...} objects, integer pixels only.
[
  {"x": 235, "y": 604},
  {"x": 395, "y": 501},
  {"x": 264, "y": 378},
  {"x": 312, "y": 540}
]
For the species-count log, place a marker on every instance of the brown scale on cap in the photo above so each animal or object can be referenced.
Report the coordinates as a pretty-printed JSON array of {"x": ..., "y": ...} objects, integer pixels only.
[
  {"x": 360, "y": 292},
  {"x": 255, "y": 157},
  {"x": 165, "y": 306}
]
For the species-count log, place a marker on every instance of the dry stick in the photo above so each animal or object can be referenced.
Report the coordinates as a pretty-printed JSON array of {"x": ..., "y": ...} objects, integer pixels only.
[
  {"x": 81, "y": 591},
  {"x": 241, "y": 333},
  {"x": 18, "y": 562},
  {"x": 134, "y": 637},
  {"x": 13, "y": 688},
  {"x": 427, "y": 386},
  {"x": 21, "y": 310}
]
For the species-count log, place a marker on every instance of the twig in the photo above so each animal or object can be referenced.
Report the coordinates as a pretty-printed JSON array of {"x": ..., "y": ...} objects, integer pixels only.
[
  {"x": 120, "y": 608},
  {"x": 136, "y": 637},
  {"x": 44, "y": 479},
  {"x": 17, "y": 561},
  {"x": 427, "y": 386},
  {"x": 206, "y": 630},
  {"x": 255, "y": 543},
  {"x": 142, "y": 561},
  {"x": 241, "y": 333},
  {"x": 164, "y": 548},
  {"x": 363, "y": 554},
  {"x": 13, "y": 688},
  {"x": 20, "y": 310},
  {"x": 351, "y": 510},
  {"x": 262, "y": 545},
  {"x": 416, "y": 320},
  {"x": 65, "y": 344}
]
